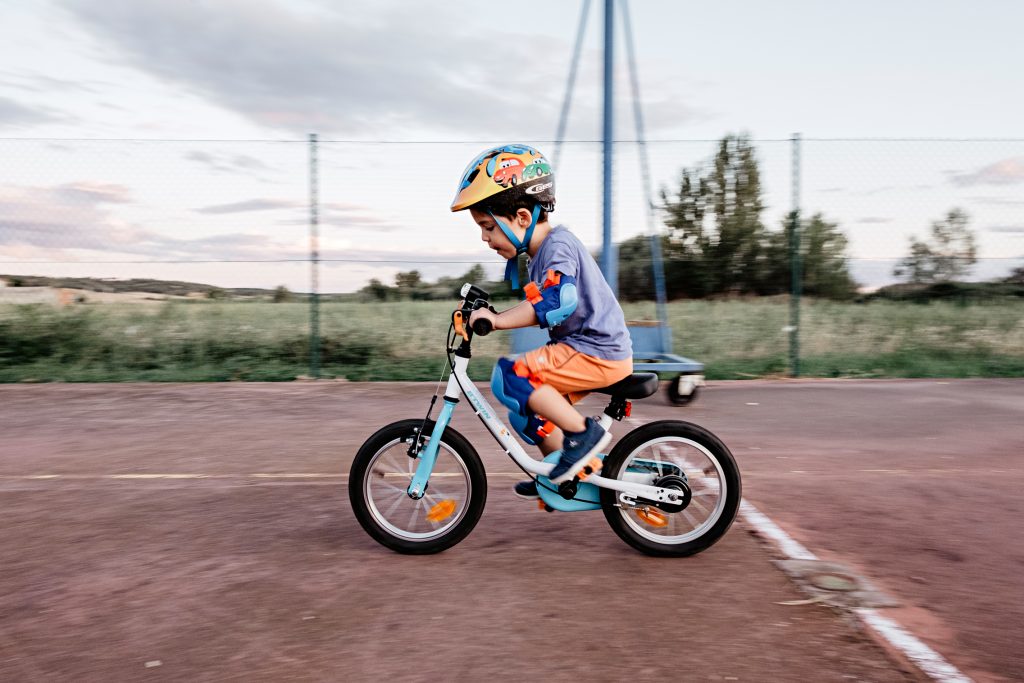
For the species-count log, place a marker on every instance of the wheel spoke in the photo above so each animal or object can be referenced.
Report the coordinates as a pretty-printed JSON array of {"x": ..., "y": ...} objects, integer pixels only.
[
  {"x": 391, "y": 509},
  {"x": 385, "y": 488},
  {"x": 412, "y": 517},
  {"x": 392, "y": 487},
  {"x": 699, "y": 507}
]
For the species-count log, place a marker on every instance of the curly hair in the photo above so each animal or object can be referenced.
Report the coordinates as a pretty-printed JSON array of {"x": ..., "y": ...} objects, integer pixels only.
[{"x": 509, "y": 202}]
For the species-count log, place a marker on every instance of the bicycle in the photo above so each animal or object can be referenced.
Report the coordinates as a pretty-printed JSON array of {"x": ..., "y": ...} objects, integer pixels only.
[{"x": 417, "y": 486}]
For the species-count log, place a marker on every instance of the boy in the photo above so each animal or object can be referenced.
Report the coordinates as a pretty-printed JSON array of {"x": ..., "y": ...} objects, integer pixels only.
[{"x": 510, "y": 191}]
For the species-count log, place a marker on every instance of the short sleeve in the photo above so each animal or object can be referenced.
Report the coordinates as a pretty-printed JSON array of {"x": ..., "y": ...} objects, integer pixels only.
[{"x": 563, "y": 258}]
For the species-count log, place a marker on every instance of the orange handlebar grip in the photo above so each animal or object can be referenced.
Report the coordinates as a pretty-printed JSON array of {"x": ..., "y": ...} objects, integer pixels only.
[{"x": 459, "y": 327}]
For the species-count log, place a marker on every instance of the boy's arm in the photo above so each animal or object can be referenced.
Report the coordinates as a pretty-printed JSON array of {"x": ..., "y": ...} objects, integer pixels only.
[{"x": 521, "y": 315}]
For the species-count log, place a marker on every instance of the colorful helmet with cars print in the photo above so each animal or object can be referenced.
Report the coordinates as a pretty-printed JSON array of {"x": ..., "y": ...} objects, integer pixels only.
[{"x": 509, "y": 168}]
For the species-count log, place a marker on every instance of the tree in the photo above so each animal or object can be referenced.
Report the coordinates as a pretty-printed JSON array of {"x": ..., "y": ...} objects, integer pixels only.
[
  {"x": 282, "y": 295},
  {"x": 1016, "y": 276},
  {"x": 408, "y": 281},
  {"x": 378, "y": 291},
  {"x": 636, "y": 280},
  {"x": 726, "y": 256},
  {"x": 823, "y": 270},
  {"x": 947, "y": 256}
]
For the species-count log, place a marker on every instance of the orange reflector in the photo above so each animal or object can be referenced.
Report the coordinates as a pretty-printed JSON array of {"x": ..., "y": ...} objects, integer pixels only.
[
  {"x": 653, "y": 517},
  {"x": 441, "y": 511}
]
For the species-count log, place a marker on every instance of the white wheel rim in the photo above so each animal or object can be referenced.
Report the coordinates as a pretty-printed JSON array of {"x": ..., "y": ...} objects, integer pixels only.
[
  {"x": 707, "y": 483},
  {"x": 387, "y": 479}
]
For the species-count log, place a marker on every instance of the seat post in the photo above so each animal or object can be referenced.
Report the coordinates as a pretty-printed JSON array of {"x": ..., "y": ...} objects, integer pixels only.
[{"x": 618, "y": 408}]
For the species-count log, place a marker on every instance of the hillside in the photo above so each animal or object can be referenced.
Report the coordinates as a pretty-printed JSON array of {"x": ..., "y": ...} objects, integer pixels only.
[{"x": 110, "y": 285}]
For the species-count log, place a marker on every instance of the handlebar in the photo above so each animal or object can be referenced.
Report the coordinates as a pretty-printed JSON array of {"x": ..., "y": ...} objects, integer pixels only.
[
  {"x": 482, "y": 327},
  {"x": 473, "y": 298}
]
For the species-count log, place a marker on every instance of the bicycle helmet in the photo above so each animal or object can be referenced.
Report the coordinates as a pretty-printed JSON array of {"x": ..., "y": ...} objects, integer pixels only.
[{"x": 517, "y": 170}]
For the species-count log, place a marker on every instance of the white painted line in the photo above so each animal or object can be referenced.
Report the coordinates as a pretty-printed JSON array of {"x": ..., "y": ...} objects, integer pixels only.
[
  {"x": 769, "y": 529},
  {"x": 295, "y": 475},
  {"x": 926, "y": 659},
  {"x": 157, "y": 476}
]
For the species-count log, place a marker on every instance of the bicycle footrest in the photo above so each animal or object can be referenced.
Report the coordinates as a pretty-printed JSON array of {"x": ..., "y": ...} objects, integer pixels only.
[{"x": 590, "y": 468}]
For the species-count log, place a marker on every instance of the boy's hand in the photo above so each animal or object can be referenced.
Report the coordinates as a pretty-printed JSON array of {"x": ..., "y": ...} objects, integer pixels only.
[{"x": 485, "y": 314}]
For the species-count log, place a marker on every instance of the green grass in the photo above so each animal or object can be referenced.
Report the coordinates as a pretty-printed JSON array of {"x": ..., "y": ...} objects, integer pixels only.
[{"x": 222, "y": 341}]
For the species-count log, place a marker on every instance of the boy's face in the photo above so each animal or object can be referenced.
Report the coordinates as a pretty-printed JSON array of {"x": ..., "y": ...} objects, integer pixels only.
[{"x": 495, "y": 237}]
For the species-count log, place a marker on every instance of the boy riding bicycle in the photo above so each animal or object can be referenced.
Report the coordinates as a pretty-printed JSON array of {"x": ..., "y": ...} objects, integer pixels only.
[{"x": 510, "y": 191}]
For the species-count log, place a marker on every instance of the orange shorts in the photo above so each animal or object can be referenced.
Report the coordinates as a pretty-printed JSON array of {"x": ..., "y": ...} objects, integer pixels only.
[{"x": 572, "y": 373}]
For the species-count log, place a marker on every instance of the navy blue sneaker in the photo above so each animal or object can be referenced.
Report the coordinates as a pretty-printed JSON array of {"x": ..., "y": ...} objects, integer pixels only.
[
  {"x": 527, "y": 489},
  {"x": 580, "y": 450}
]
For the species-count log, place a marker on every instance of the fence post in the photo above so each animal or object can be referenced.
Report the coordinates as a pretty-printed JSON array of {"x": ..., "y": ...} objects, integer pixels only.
[
  {"x": 314, "y": 258},
  {"x": 794, "y": 260}
]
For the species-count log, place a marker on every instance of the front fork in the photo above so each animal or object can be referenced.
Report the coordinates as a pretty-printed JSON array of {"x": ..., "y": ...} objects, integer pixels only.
[{"x": 428, "y": 456}]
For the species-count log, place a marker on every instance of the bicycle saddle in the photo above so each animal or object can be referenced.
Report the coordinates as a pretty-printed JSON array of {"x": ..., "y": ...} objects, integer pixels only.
[{"x": 637, "y": 385}]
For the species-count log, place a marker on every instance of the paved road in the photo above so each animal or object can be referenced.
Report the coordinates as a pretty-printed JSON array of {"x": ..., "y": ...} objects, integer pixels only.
[{"x": 252, "y": 572}]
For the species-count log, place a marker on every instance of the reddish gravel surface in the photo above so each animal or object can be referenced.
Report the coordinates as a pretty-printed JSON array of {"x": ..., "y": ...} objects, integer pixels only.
[{"x": 250, "y": 573}]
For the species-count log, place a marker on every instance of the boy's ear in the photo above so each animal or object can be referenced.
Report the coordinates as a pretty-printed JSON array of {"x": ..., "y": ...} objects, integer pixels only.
[{"x": 524, "y": 217}]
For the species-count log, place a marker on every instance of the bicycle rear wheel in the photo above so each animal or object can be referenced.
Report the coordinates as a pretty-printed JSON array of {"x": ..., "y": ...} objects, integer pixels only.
[
  {"x": 680, "y": 455},
  {"x": 450, "y": 507}
]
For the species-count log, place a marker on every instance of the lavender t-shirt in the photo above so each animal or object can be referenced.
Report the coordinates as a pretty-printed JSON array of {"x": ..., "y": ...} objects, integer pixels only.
[{"x": 597, "y": 327}]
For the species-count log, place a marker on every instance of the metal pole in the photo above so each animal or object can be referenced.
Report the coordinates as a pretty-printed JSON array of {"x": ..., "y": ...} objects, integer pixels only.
[
  {"x": 314, "y": 258},
  {"x": 608, "y": 256},
  {"x": 563, "y": 118},
  {"x": 657, "y": 263},
  {"x": 794, "y": 255}
]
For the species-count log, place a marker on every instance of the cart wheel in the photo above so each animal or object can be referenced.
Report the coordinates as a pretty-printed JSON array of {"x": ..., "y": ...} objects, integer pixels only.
[{"x": 681, "y": 391}]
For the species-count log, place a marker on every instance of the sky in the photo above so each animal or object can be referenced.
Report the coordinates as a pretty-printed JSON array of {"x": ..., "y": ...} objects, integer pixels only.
[{"x": 169, "y": 139}]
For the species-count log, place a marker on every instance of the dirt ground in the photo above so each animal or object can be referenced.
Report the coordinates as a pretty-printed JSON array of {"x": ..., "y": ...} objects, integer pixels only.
[{"x": 246, "y": 562}]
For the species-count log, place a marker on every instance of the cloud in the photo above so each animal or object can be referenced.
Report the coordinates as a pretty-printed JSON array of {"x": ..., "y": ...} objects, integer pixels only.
[
  {"x": 14, "y": 114},
  {"x": 250, "y": 205},
  {"x": 42, "y": 83},
  {"x": 1005, "y": 172},
  {"x": 874, "y": 219},
  {"x": 230, "y": 163},
  {"x": 69, "y": 216},
  {"x": 1009, "y": 229},
  {"x": 383, "y": 70},
  {"x": 334, "y": 214},
  {"x": 998, "y": 201},
  {"x": 63, "y": 221}
]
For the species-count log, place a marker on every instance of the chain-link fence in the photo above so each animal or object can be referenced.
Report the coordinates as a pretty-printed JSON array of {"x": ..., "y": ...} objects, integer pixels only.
[{"x": 229, "y": 224}]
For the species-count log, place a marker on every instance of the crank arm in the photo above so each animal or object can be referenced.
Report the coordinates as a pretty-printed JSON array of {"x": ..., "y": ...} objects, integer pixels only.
[{"x": 630, "y": 491}]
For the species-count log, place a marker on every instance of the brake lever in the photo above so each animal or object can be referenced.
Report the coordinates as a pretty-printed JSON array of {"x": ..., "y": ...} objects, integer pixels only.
[{"x": 459, "y": 320}]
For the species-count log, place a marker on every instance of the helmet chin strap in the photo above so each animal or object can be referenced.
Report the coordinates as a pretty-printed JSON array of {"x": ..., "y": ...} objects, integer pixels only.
[{"x": 512, "y": 267}]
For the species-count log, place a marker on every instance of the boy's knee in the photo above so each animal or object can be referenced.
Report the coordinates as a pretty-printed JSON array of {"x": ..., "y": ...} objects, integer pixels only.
[{"x": 511, "y": 385}]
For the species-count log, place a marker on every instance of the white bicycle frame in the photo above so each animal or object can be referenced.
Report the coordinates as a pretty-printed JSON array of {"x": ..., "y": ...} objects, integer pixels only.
[{"x": 459, "y": 383}]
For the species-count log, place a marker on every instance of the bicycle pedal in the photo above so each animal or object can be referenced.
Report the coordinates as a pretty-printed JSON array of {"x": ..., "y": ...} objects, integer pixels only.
[
  {"x": 590, "y": 468},
  {"x": 441, "y": 511},
  {"x": 655, "y": 518}
]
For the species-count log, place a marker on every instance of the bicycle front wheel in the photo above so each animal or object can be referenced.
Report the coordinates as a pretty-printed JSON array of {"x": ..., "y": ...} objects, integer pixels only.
[
  {"x": 450, "y": 507},
  {"x": 679, "y": 455}
]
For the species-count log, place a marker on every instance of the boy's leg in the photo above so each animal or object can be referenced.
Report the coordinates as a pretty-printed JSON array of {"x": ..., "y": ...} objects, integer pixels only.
[
  {"x": 546, "y": 401},
  {"x": 551, "y": 371}
]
